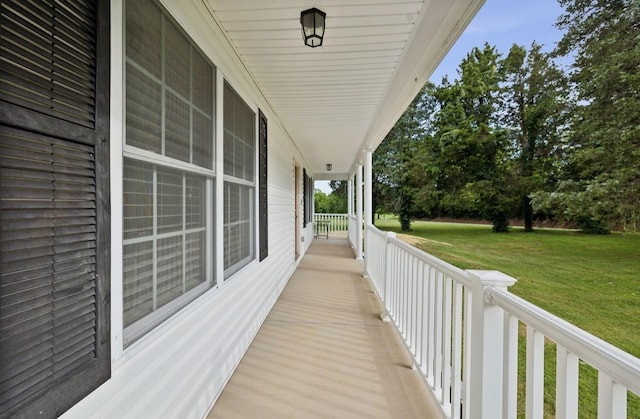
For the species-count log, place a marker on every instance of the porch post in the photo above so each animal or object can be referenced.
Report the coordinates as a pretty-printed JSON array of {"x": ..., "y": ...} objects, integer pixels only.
[
  {"x": 350, "y": 196},
  {"x": 368, "y": 188},
  {"x": 359, "y": 212},
  {"x": 368, "y": 218},
  {"x": 486, "y": 349}
]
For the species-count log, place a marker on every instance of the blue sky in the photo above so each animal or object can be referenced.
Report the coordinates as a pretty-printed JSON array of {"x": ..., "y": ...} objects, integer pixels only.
[{"x": 501, "y": 23}]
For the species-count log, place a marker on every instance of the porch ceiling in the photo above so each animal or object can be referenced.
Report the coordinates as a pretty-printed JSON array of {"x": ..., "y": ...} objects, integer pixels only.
[{"x": 340, "y": 99}]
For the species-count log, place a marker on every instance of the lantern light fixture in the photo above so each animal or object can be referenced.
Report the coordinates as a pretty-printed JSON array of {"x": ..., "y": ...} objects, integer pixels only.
[
  {"x": 329, "y": 167},
  {"x": 313, "y": 24}
]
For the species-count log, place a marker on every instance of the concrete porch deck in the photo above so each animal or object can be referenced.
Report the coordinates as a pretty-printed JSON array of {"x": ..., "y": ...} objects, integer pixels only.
[{"x": 324, "y": 352}]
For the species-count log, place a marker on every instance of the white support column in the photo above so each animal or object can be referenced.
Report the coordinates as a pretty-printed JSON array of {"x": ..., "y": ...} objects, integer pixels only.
[
  {"x": 358, "y": 234},
  {"x": 368, "y": 216},
  {"x": 486, "y": 346},
  {"x": 368, "y": 188},
  {"x": 350, "y": 196}
]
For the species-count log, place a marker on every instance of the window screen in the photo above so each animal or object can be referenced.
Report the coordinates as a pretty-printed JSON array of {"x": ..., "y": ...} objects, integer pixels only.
[
  {"x": 239, "y": 182},
  {"x": 168, "y": 169}
]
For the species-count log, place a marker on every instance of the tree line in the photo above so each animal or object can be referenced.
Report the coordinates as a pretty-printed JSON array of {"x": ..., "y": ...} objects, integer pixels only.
[
  {"x": 335, "y": 202},
  {"x": 518, "y": 136}
]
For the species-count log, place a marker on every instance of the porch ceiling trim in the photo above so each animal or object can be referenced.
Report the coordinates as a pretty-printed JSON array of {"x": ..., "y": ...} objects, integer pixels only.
[{"x": 341, "y": 99}]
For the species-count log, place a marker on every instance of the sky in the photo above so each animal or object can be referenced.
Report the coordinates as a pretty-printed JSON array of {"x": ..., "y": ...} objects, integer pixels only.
[{"x": 501, "y": 23}]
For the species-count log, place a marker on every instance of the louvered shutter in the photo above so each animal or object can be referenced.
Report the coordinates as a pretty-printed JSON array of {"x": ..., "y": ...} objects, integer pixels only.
[
  {"x": 305, "y": 199},
  {"x": 262, "y": 188},
  {"x": 54, "y": 223}
]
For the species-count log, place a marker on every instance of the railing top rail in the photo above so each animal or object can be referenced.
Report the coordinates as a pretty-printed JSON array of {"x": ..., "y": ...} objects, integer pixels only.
[
  {"x": 621, "y": 366},
  {"x": 376, "y": 231},
  {"x": 455, "y": 273},
  {"x": 332, "y": 214}
]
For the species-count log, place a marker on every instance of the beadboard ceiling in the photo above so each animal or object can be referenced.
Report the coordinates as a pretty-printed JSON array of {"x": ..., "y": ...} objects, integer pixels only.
[{"x": 340, "y": 99}]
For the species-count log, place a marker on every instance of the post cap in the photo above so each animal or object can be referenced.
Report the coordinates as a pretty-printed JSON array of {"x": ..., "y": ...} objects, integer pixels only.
[{"x": 491, "y": 278}]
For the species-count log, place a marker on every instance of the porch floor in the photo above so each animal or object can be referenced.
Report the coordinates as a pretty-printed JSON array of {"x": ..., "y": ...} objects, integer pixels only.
[{"x": 324, "y": 352}]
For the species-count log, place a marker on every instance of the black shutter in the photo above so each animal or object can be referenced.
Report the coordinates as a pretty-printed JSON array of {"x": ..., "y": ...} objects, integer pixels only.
[
  {"x": 310, "y": 199},
  {"x": 54, "y": 204},
  {"x": 262, "y": 189},
  {"x": 305, "y": 193}
]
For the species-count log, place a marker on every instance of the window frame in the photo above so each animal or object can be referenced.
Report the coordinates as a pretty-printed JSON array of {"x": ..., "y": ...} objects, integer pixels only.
[
  {"x": 147, "y": 323},
  {"x": 229, "y": 271}
]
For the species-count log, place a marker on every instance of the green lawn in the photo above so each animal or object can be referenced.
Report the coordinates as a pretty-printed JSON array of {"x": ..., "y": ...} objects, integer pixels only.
[{"x": 592, "y": 281}]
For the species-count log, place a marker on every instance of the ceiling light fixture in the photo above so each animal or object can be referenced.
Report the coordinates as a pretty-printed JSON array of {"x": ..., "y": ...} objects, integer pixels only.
[{"x": 312, "y": 21}]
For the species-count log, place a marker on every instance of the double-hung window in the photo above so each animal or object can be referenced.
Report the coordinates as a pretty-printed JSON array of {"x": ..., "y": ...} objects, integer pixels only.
[
  {"x": 168, "y": 176},
  {"x": 239, "y": 182}
]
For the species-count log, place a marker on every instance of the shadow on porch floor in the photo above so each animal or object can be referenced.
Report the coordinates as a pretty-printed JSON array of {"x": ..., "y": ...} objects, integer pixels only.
[{"x": 324, "y": 352}]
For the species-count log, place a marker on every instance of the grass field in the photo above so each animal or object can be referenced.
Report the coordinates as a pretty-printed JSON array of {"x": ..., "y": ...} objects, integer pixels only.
[{"x": 592, "y": 281}]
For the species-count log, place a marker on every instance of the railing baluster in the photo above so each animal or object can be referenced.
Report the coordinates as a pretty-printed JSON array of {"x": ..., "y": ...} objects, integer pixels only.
[
  {"x": 392, "y": 282},
  {"x": 466, "y": 348},
  {"x": 510, "y": 400},
  {"x": 425, "y": 319},
  {"x": 415, "y": 297},
  {"x": 396, "y": 287},
  {"x": 432, "y": 325},
  {"x": 535, "y": 374},
  {"x": 446, "y": 336},
  {"x": 414, "y": 306},
  {"x": 566, "y": 384},
  {"x": 612, "y": 398},
  {"x": 456, "y": 362},
  {"x": 407, "y": 297},
  {"x": 438, "y": 334},
  {"x": 419, "y": 314},
  {"x": 400, "y": 304}
]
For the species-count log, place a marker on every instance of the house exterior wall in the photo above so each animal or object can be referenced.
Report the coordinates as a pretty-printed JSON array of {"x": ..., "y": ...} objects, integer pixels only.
[{"x": 180, "y": 367}]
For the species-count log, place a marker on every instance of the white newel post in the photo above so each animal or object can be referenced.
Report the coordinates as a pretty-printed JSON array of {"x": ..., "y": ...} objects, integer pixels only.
[
  {"x": 359, "y": 212},
  {"x": 486, "y": 347},
  {"x": 368, "y": 218}
]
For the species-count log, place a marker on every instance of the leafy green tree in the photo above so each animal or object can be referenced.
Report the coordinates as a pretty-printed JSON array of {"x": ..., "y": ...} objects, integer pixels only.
[
  {"x": 602, "y": 35},
  {"x": 333, "y": 203},
  {"x": 471, "y": 146},
  {"x": 396, "y": 172},
  {"x": 321, "y": 202},
  {"x": 534, "y": 110},
  {"x": 338, "y": 197}
]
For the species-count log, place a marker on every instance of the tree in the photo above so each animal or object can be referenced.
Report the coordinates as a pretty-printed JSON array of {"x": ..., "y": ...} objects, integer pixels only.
[
  {"x": 321, "y": 202},
  {"x": 534, "y": 111},
  {"x": 396, "y": 171},
  {"x": 605, "y": 130},
  {"x": 471, "y": 146},
  {"x": 338, "y": 197}
]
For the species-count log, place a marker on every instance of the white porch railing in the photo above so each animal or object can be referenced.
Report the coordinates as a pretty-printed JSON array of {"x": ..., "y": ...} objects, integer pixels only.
[
  {"x": 461, "y": 328},
  {"x": 331, "y": 225},
  {"x": 353, "y": 224}
]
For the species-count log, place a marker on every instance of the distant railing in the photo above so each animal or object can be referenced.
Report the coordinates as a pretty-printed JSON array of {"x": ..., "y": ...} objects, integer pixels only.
[
  {"x": 462, "y": 327},
  {"x": 330, "y": 225}
]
